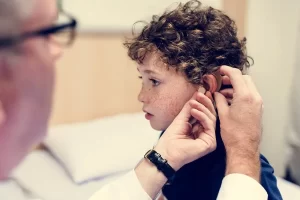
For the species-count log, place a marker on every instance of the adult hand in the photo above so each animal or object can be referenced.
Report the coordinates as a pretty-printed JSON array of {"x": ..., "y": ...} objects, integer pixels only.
[
  {"x": 184, "y": 142},
  {"x": 241, "y": 125}
]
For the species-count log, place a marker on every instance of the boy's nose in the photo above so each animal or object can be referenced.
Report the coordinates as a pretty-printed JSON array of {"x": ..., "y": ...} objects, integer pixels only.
[{"x": 142, "y": 97}]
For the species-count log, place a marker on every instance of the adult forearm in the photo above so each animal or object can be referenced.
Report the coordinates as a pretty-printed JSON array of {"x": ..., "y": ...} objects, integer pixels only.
[{"x": 243, "y": 162}]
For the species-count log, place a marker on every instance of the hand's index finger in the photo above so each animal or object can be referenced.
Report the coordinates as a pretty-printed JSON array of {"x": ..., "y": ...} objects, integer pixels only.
[{"x": 236, "y": 78}]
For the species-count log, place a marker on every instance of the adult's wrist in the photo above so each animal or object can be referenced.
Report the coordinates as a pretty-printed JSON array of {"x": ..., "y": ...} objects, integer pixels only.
[
  {"x": 174, "y": 161},
  {"x": 243, "y": 162}
]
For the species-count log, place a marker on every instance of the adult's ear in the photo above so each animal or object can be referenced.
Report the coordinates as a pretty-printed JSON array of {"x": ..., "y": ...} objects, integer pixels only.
[{"x": 2, "y": 114}]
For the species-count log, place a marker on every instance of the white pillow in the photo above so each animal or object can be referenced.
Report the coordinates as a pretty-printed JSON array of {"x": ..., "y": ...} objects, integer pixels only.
[
  {"x": 41, "y": 176},
  {"x": 95, "y": 149}
]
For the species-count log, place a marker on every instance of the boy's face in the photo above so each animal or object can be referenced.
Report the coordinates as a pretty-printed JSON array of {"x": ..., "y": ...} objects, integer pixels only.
[{"x": 164, "y": 91}]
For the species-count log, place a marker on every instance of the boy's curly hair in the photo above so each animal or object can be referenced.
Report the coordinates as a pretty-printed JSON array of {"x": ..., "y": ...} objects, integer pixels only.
[{"x": 194, "y": 39}]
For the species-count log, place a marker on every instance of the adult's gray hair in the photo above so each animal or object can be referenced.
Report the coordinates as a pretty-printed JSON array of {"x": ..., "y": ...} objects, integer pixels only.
[{"x": 12, "y": 14}]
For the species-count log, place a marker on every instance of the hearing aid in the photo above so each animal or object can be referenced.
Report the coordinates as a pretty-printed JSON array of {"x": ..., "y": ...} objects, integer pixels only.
[
  {"x": 206, "y": 87},
  {"x": 215, "y": 87}
]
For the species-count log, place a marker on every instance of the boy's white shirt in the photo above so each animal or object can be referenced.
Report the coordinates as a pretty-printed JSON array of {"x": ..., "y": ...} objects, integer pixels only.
[{"x": 234, "y": 187}]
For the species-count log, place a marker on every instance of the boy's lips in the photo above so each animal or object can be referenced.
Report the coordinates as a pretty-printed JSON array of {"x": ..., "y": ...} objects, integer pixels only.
[{"x": 148, "y": 115}]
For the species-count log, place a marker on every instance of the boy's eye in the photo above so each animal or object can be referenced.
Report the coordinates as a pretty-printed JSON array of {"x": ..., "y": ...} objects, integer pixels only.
[{"x": 155, "y": 82}]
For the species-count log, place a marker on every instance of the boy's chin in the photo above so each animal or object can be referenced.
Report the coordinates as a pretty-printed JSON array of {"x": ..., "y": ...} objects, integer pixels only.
[{"x": 158, "y": 127}]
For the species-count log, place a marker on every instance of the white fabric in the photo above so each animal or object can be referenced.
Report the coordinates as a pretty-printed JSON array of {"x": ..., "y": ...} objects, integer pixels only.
[
  {"x": 101, "y": 147},
  {"x": 239, "y": 186},
  {"x": 234, "y": 187},
  {"x": 40, "y": 174},
  {"x": 127, "y": 187},
  {"x": 11, "y": 190}
]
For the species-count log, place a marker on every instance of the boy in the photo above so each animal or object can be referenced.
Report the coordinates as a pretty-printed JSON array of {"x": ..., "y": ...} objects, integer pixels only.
[{"x": 177, "y": 54}]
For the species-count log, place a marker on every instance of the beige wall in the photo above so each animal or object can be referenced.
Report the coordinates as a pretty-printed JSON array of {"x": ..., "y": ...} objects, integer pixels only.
[
  {"x": 95, "y": 78},
  {"x": 237, "y": 10}
]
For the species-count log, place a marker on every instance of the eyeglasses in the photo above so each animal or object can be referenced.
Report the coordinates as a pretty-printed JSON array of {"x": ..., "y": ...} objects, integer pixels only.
[{"x": 63, "y": 32}]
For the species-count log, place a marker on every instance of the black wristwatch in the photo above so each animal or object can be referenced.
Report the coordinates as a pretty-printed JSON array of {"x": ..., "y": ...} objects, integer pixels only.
[{"x": 161, "y": 164}]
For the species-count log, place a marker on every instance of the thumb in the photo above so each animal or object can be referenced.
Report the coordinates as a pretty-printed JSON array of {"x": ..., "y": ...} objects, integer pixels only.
[{"x": 221, "y": 103}]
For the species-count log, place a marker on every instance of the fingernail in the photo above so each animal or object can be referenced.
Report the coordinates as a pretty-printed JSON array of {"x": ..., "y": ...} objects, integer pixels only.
[{"x": 201, "y": 90}]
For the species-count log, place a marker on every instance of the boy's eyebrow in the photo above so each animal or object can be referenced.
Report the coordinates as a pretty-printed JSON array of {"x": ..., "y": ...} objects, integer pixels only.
[{"x": 148, "y": 71}]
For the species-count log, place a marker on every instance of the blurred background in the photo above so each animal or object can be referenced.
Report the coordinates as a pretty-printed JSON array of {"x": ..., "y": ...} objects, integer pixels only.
[{"x": 97, "y": 81}]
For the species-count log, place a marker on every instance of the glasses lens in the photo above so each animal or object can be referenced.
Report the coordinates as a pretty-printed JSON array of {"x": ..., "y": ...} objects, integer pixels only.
[{"x": 65, "y": 36}]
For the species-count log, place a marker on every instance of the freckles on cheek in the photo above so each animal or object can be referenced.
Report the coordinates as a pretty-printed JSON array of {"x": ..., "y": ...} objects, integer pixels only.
[{"x": 170, "y": 106}]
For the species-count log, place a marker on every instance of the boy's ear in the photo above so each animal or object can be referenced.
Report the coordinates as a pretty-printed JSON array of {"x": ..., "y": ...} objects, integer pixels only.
[{"x": 212, "y": 82}]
